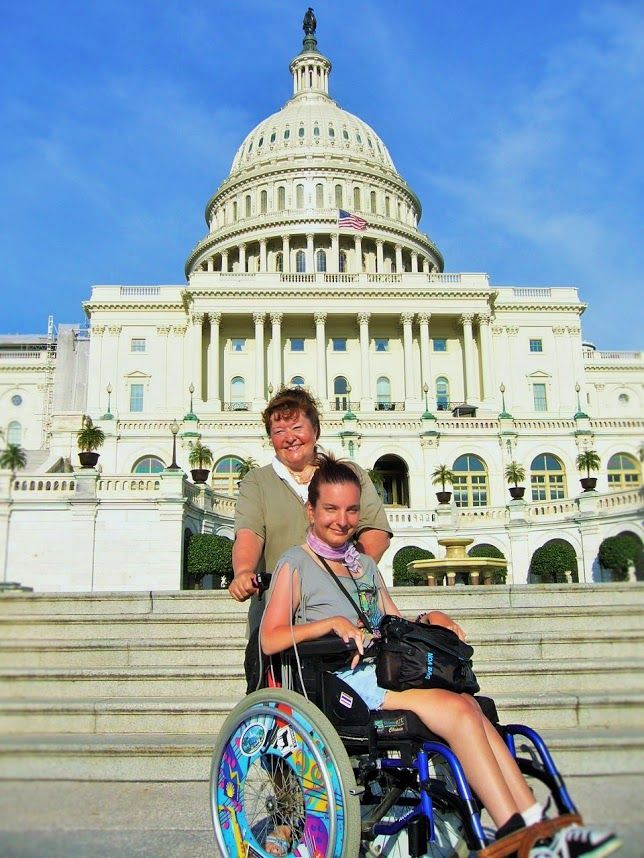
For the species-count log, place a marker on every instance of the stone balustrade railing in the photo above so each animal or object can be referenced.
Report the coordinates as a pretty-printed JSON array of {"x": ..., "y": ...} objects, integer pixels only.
[
  {"x": 594, "y": 355},
  {"x": 30, "y": 355},
  {"x": 132, "y": 483},
  {"x": 60, "y": 484}
]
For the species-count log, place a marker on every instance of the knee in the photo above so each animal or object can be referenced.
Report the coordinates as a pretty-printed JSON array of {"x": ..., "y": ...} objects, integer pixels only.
[{"x": 465, "y": 708}]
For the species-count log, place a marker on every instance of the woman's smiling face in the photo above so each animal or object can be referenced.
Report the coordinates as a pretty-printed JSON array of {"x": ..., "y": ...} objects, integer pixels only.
[
  {"x": 335, "y": 516},
  {"x": 293, "y": 439}
]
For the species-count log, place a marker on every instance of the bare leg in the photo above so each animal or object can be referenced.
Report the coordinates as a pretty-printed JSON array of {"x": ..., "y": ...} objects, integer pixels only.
[{"x": 459, "y": 720}]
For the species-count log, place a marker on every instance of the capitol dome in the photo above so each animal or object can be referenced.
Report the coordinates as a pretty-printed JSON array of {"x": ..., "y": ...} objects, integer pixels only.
[{"x": 278, "y": 209}]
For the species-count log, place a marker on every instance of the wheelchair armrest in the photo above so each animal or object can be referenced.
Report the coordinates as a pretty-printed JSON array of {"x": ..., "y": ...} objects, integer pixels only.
[{"x": 328, "y": 645}]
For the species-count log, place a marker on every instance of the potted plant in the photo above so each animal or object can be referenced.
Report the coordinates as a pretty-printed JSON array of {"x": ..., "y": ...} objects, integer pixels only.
[
  {"x": 515, "y": 474},
  {"x": 200, "y": 460},
  {"x": 245, "y": 466},
  {"x": 89, "y": 439},
  {"x": 13, "y": 458},
  {"x": 588, "y": 461},
  {"x": 443, "y": 476}
]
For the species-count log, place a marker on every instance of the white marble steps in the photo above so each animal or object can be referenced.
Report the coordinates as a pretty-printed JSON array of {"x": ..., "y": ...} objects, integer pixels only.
[{"x": 182, "y": 757}]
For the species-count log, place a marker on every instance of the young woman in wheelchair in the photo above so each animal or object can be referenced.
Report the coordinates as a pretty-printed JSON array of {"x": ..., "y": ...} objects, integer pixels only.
[{"x": 305, "y": 604}]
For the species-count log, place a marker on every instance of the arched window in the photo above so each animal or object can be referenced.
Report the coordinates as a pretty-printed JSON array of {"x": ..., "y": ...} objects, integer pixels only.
[
  {"x": 235, "y": 210},
  {"x": 148, "y": 465},
  {"x": 248, "y": 205},
  {"x": 300, "y": 132},
  {"x": 388, "y": 206},
  {"x": 14, "y": 433},
  {"x": 320, "y": 260},
  {"x": 470, "y": 481},
  {"x": 238, "y": 394},
  {"x": 300, "y": 262},
  {"x": 547, "y": 478},
  {"x": 299, "y": 196},
  {"x": 297, "y": 381},
  {"x": 442, "y": 394},
  {"x": 316, "y": 130},
  {"x": 623, "y": 472},
  {"x": 279, "y": 262},
  {"x": 263, "y": 202},
  {"x": 392, "y": 478},
  {"x": 383, "y": 394},
  {"x": 281, "y": 198},
  {"x": 319, "y": 195},
  {"x": 331, "y": 132},
  {"x": 338, "y": 197},
  {"x": 343, "y": 262},
  {"x": 287, "y": 133},
  {"x": 225, "y": 475},
  {"x": 372, "y": 202},
  {"x": 356, "y": 198},
  {"x": 340, "y": 392}
]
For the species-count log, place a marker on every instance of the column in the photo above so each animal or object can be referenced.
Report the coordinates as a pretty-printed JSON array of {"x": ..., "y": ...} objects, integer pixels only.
[
  {"x": 357, "y": 252},
  {"x": 310, "y": 258},
  {"x": 334, "y": 262},
  {"x": 380, "y": 256},
  {"x": 110, "y": 360},
  {"x": 97, "y": 381},
  {"x": 196, "y": 349},
  {"x": 224, "y": 261},
  {"x": 425, "y": 265},
  {"x": 259, "y": 398},
  {"x": 162, "y": 342},
  {"x": 399, "y": 262},
  {"x": 214, "y": 394},
  {"x": 488, "y": 391},
  {"x": 501, "y": 360},
  {"x": 320, "y": 353},
  {"x": 425, "y": 367},
  {"x": 517, "y": 382},
  {"x": 176, "y": 366},
  {"x": 262, "y": 255},
  {"x": 577, "y": 369},
  {"x": 210, "y": 263},
  {"x": 242, "y": 258},
  {"x": 286, "y": 254},
  {"x": 414, "y": 262},
  {"x": 468, "y": 357},
  {"x": 366, "y": 399},
  {"x": 406, "y": 320},
  {"x": 276, "y": 347}
]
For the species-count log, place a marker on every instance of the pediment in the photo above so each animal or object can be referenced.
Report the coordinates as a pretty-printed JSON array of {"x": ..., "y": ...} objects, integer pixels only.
[{"x": 539, "y": 374}]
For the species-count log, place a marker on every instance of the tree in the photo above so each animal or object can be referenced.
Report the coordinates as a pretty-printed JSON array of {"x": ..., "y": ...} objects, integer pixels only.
[
  {"x": 404, "y": 577},
  {"x": 588, "y": 461},
  {"x": 549, "y": 562},
  {"x": 200, "y": 456},
  {"x": 210, "y": 554},
  {"x": 515, "y": 473},
  {"x": 90, "y": 437},
  {"x": 13, "y": 458},
  {"x": 245, "y": 466},
  {"x": 618, "y": 553},
  {"x": 376, "y": 478},
  {"x": 442, "y": 475}
]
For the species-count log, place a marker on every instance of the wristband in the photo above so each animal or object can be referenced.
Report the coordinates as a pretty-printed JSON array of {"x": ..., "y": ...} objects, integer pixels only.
[{"x": 422, "y": 616}]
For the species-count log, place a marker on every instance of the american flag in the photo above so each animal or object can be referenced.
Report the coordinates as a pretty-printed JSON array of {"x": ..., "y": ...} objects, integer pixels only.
[{"x": 350, "y": 220}]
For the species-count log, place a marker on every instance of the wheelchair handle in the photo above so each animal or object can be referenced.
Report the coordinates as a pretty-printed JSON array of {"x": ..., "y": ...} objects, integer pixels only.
[{"x": 262, "y": 581}]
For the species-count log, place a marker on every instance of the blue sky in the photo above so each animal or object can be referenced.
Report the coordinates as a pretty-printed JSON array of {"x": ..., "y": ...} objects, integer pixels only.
[{"x": 519, "y": 126}]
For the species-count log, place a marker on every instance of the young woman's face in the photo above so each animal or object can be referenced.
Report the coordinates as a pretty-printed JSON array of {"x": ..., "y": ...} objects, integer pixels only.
[{"x": 336, "y": 514}]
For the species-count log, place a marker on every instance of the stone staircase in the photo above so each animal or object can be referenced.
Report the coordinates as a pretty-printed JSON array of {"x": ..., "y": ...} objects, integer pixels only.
[{"x": 134, "y": 686}]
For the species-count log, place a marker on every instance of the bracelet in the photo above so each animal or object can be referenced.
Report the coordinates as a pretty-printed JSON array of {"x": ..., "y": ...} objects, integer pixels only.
[{"x": 420, "y": 617}]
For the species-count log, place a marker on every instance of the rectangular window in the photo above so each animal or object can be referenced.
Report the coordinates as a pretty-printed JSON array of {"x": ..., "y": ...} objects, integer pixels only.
[
  {"x": 238, "y": 344},
  {"x": 536, "y": 346},
  {"x": 297, "y": 344},
  {"x": 539, "y": 397},
  {"x": 137, "y": 344},
  {"x": 339, "y": 344},
  {"x": 382, "y": 344},
  {"x": 136, "y": 397},
  {"x": 439, "y": 344}
]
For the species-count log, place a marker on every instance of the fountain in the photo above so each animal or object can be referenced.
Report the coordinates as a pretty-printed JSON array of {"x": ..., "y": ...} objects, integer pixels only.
[{"x": 456, "y": 560}]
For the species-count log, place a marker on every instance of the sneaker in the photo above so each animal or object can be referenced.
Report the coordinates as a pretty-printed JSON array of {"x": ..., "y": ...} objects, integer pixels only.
[{"x": 577, "y": 841}]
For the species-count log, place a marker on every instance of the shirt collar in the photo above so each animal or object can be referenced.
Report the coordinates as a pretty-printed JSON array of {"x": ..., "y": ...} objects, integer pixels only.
[{"x": 283, "y": 473}]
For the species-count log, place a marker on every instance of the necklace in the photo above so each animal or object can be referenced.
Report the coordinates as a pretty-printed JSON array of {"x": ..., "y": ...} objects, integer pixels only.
[{"x": 303, "y": 477}]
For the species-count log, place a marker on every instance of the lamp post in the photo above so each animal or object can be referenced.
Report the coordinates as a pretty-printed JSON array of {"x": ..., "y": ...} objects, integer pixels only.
[
  {"x": 428, "y": 414},
  {"x": 580, "y": 414},
  {"x": 108, "y": 414},
  {"x": 191, "y": 415},
  {"x": 174, "y": 428},
  {"x": 504, "y": 413},
  {"x": 270, "y": 389}
]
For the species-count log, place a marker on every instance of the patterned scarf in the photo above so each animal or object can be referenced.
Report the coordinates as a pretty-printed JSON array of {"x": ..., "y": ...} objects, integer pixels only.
[{"x": 347, "y": 553}]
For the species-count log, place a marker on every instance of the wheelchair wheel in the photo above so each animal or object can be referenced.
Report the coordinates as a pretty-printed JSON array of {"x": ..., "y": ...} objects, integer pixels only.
[
  {"x": 449, "y": 835},
  {"x": 278, "y": 761}
]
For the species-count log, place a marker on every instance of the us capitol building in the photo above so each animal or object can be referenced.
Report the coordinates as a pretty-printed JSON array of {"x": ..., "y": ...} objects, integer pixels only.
[{"x": 313, "y": 271}]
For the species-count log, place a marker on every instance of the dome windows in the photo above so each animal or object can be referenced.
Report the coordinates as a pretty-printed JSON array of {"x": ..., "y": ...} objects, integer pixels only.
[
  {"x": 358, "y": 138},
  {"x": 345, "y": 134},
  {"x": 369, "y": 143},
  {"x": 356, "y": 198},
  {"x": 316, "y": 130},
  {"x": 263, "y": 202},
  {"x": 300, "y": 132},
  {"x": 281, "y": 198},
  {"x": 319, "y": 196},
  {"x": 260, "y": 142},
  {"x": 338, "y": 197},
  {"x": 299, "y": 196},
  {"x": 287, "y": 133},
  {"x": 273, "y": 136},
  {"x": 331, "y": 132},
  {"x": 250, "y": 147}
]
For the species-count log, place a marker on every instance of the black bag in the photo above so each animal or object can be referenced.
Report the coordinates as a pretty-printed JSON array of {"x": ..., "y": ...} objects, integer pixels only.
[{"x": 417, "y": 655}]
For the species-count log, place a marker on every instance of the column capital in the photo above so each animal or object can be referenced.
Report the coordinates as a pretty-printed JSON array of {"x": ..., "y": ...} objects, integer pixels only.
[
  {"x": 197, "y": 318},
  {"x": 115, "y": 330},
  {"x": 179, "y": 330},
  {"x": 484, "y": 318},
  {"x": 309, "y": 236},
  {"x": 285, "y": 238},
  {"x": 259, "y": 317},
  {"x": 497, "y": 330},
  {"x": 574, "y": 330},
  {"x": 215, "y": 318},
  {"x": 380, "y": 242},
  {"x": 163, "y": 330},
  {"x": 276, "y": 318},
  {"x": 320, "y": 318},
  {"x": 467, "y": 318},
  {"x": 242, "y": 245},
  {"x": 98, "y": 329},
  {"x": 398, "y": 247},
  {"x": 262, "y": 242},
  {"x": 406, "y": 318},
  {"x": 363, "y": 317},
  {"x": 424, "y": 318},
  {"x": 512, "y": 331},
  {"x": 558, "y": 330}
]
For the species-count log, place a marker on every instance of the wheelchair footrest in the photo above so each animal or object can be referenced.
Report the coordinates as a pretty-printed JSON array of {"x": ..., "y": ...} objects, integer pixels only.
[{"x": 519, "y": 843}]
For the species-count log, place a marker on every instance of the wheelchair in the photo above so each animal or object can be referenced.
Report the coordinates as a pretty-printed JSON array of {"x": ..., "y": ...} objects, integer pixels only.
[{"x": 350, "y": 782}]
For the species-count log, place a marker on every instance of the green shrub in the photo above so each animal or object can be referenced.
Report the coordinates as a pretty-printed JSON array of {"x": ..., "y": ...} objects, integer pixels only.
[
  {"x": 209, "y": 553},
  {"x": 499, "y": 575},
  {"x": 618, "y": 552},
  {"x": 404, "y": 577},
  {"x": 549, "y": 562}
]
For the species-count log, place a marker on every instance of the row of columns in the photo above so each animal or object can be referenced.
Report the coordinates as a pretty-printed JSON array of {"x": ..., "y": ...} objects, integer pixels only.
[
  {"x": 418, "y": 261},
  {"x": 412, "y": 386}
]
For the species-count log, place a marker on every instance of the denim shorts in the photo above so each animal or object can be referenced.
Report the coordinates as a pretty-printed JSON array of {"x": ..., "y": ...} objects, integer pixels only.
[{"x": 364, "y": 683}]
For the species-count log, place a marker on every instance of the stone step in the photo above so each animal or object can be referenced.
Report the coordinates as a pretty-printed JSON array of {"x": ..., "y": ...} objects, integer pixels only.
[
  {"x": 181, "y": 757},
  {"x": 503, "y": 622},
  {"x": 618, "y": 710},
  {"x": 407, "y": 598},
  {"x": 585, "y": 643},
  {"x": 495, "y": 677}
]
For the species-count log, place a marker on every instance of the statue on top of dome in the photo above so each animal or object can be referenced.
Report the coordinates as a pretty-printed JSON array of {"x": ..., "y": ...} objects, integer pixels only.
[{"x": 310, "y": 23}]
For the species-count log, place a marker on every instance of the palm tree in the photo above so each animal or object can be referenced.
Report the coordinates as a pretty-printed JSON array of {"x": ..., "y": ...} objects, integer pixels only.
[
  {"x": 200, "y": 456},
  {"x": 90, "y": 437},
  {"x": 515, "y": 473},
  {"x": 442, "y": 476},
  {"x": 245, "y": 466},
  {"x": 588, "y": 461},
  {"x": 13, "y": 458}
]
